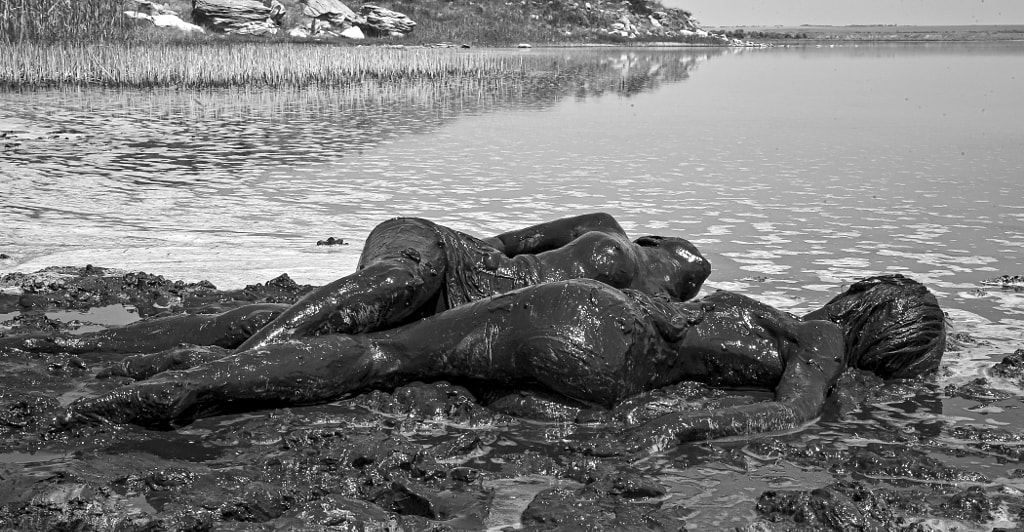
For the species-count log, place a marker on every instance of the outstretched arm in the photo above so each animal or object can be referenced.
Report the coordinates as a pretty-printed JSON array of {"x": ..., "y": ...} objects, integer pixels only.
[
  {"x": 554, "y": 234},
  {"x": 812, "y": 368}
]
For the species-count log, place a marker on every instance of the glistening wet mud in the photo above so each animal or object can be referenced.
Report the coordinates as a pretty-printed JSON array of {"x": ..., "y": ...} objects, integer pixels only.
[{"x": 444, "y": 456}]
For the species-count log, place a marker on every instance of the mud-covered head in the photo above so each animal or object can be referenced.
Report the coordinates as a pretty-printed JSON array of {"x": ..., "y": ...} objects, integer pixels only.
[
  {"x": 672, "y": 266},
  {"x": 893, "y": 326}
]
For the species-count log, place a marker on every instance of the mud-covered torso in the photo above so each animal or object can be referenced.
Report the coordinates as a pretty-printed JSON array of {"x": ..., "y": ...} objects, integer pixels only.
[
  {"x": 720, "y": 341},
  {"x": 602, "y": 345},
  {"x": 475, "y": 269}
]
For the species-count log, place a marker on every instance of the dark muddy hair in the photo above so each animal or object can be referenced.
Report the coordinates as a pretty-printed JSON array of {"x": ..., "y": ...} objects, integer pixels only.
[{"x": 893, "y": 326}]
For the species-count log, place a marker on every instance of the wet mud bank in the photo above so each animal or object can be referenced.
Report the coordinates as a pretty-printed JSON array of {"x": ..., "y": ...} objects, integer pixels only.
[{"x": 459, "y": 456}]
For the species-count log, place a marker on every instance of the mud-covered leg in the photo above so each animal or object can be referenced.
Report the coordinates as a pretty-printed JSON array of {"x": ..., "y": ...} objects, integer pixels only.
[
  {"x": 375, "y": 297},
  {"x": 292, "y": 373},
  {"x": 514, "y": 338},
  {"x": 401, "y": 269},
  {"x": 480, "y": 340},
  {"x": 146, "y": 365},
  {"x": 227, "y": 330}
]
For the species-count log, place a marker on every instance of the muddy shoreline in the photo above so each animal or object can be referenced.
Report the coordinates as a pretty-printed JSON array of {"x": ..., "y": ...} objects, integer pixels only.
[{"x": 448, "y": 456}]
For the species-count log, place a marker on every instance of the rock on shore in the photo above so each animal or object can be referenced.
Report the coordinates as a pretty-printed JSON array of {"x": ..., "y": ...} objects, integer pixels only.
[
  {"x": 243, "y": 17},
  {"x": 321, "y": 18},
  {"x": 161, "y": 16}
]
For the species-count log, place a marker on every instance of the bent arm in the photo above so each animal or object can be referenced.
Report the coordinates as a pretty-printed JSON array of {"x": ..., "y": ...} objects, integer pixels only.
[
  {"x": 554, "y": 234},
  {"x": 812, "y": 367}
]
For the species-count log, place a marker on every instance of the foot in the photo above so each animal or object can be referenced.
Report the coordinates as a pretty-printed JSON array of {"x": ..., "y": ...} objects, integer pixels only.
[{"x": 157, "y": 405}]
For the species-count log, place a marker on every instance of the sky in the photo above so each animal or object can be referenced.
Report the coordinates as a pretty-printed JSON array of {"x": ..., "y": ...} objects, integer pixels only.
[{"x": 845, "y": 12}]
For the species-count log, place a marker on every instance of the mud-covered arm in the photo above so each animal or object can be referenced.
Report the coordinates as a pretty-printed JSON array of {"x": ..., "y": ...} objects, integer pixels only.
[
  {"x": 554, "y": 234},
  {"x": 811, "y": 371}
]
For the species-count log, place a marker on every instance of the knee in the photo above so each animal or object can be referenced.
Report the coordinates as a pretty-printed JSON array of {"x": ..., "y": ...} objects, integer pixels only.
[{"x": 399, "y": 273}]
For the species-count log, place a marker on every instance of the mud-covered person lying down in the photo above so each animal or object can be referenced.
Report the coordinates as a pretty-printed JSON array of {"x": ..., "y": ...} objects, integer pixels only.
[
  {"x": 584, "y": 339},
  {"x": 581, "y": 339}
]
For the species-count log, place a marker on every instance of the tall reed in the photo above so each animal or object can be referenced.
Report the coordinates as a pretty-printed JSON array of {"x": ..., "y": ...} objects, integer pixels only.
[
  {"x": 127, "y": 65},
  {"x": 62, "y": 20}
]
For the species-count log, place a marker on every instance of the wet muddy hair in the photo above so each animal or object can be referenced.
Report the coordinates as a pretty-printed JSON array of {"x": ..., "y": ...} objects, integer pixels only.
[{"x": 893, "y": 326}]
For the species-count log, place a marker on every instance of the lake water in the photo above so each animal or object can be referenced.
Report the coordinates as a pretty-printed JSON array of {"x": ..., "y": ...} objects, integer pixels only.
[{"x": 795, "y": 170}]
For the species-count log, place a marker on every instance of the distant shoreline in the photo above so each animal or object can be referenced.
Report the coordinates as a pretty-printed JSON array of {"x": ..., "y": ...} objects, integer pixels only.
[{"x": 878, "y": 33}]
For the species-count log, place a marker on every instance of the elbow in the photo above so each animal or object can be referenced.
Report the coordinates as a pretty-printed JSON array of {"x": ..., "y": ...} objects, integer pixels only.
[{"x": 598, "y": 221}]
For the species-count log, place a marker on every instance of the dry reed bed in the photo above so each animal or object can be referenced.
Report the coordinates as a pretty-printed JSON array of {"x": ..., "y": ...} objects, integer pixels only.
[
  {"x": 276, "y": 65},
  {"x": 47, "y": 20}
]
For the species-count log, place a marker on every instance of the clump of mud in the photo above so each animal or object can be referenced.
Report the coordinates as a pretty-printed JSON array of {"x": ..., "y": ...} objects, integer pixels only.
[
  {"x": 88, "y": 287},
  {"x": 1006, "y": 281}
]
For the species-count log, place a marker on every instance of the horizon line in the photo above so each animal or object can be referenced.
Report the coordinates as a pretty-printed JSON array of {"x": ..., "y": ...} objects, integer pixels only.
[{"x": 911, "y": 25}]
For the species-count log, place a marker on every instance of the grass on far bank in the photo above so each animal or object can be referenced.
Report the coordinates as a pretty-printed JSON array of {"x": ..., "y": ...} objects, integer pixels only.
[
  {"x": 276, "y": 65},
  {"x": 92, "y": 43},
  {"x": 77, "y": 20}
]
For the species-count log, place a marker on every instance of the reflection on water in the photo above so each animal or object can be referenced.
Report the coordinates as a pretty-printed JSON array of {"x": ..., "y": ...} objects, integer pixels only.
[
  {"x": 170, "y": 167},
  {"x": 796, "y": 171}
]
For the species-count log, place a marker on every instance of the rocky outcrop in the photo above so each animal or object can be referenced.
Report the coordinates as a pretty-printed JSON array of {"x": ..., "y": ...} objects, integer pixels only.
[
  {"x": 161, "y": 16},
  {"x": 638, "y": 21},
  {"x": 586, "y": 21},
  {"x": 327, "y": 18},
  {"x": 331, "y": 18},
  {"x": 319, "y": 18},
  {"x": 243, "y": 17},
  {"x": 378, "y": 21},
  {"x": 328, "y": 10}
]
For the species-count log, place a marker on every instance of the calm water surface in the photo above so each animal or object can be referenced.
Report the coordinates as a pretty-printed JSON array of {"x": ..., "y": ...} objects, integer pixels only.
[{"x": 795, "y": 170}]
